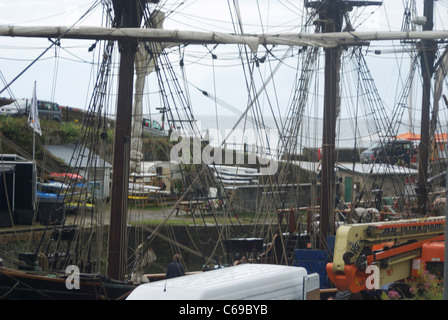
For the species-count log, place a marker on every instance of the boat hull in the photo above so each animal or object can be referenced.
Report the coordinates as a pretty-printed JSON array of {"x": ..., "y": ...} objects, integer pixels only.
[{"x": 18, "y": 285}]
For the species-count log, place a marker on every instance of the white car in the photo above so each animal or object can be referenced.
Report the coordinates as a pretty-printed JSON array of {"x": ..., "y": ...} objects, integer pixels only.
[{"x": 14, "y": 109}]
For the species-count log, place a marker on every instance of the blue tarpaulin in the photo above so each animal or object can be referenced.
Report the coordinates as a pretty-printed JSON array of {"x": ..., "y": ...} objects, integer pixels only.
[{"x": 315, "y": 261}]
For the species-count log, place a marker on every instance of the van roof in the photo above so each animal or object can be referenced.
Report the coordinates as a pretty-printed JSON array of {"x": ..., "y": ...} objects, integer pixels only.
[{"x": 246, "y": 281}]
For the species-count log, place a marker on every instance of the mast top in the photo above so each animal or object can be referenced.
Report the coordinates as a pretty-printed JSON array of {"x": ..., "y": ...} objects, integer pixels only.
[{"x": 346, "y": 3}]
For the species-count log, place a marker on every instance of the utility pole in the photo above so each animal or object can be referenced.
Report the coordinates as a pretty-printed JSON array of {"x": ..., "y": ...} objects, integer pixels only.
[{"x": 427, "y": 49}]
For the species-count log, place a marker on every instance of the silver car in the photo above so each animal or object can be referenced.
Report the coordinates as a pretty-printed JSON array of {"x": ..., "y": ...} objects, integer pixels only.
[{"x": 47, "y": 109}]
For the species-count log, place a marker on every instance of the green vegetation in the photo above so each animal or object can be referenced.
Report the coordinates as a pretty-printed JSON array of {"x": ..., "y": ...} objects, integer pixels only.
[
  {"x": 17, "y": 130},
  {"x": 17, "y": 135},
  {"x": 69, "y": 131},
  {"x": 205, "y": 218}
]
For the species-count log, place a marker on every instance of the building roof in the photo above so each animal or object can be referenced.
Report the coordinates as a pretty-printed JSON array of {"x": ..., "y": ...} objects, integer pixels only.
[
  {"x": 307, "y": 165},
  {"x": 375, "y": 169},
  {"x": 360, "y": 168},
  {"x": 77, "y": 157}
]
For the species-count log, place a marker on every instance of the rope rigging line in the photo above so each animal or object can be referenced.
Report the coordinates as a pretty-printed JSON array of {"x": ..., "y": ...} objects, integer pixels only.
[
  {"x": 184, "y": 78},
  {"x": 176, "y": 102},
  {"x": 83, "y": 156},
  {"x": 49, "y": 47},
  {"x": 254, "y": 105}
]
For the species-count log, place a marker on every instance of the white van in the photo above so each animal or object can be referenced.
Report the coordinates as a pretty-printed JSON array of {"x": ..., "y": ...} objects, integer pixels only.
[{"x": 241, "y": 282}]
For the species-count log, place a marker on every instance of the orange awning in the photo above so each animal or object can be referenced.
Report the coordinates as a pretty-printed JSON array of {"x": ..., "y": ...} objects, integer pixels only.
[
  {"x": 409, "y": 136},
  {"x": 441, "y": 137}
]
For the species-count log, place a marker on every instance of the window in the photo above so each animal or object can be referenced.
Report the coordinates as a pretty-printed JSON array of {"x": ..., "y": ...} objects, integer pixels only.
[
  {"x": 156, "y": 125},
  {"x": 45, "y": 106}
]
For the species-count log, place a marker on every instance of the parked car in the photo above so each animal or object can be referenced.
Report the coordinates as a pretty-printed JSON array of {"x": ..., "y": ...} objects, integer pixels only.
[
  {"x": 367, "y": 156},
  {"x": 153, "y": 127},
  {"x": 47, "y": 109},
  {"x": 14, "y": 109},
  {"x": 392, "y": 152}
]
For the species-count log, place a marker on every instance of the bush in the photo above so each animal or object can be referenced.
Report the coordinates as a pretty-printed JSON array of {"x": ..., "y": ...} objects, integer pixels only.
[
  {"x": 16, "y": 129},
  {"x": 70, "y": 131},
  {"x": 426, "y": 286}
]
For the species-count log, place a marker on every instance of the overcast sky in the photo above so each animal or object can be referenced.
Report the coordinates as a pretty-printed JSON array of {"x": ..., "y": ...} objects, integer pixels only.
[{"x": 65, "y": 75}]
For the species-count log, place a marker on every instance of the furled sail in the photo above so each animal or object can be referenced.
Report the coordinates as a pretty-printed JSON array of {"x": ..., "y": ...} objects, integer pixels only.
[
  {"x": 326, "y": 40},
  {"x": 145, "y": 61},
  {"x": 440, "y": 75}
]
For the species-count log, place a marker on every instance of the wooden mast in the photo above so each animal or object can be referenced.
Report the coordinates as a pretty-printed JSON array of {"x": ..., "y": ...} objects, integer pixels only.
[
  {"x": 427, "y": 57},
  {"x": 127, "y": 14},
  {"x": 331, "y": 13}
]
